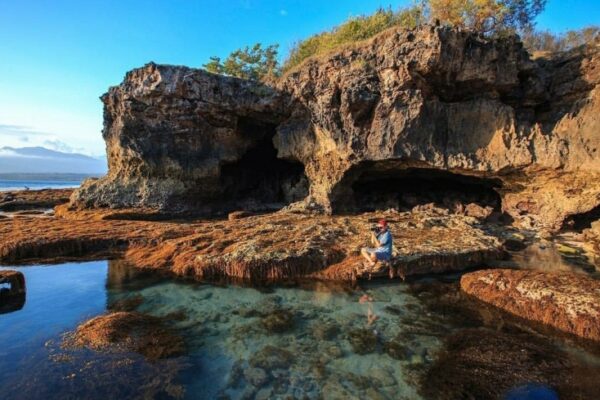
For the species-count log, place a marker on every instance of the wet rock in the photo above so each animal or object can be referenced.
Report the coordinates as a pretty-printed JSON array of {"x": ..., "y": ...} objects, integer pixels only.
[
  {"x": 334, "y": 351},
  {"x": 363, "y": 341},
  {"x": 485, "y": 364},
  {"x": 398, "y": 349},
  {"x": 13, "y": 282},
  {"x": 127, "y": 304},
  {"x": 383, "y": 376},
  {"x": 335, "y": 389},
  {"x": 256, "y": 376},
  {"x": 514, "y": 244},
  {"x": 271, "y": 357},
  {"x": 566, "y": 301},
  {"x": 278, "y": 321},
  {"x": 325, "y": 330},
  {"x": 127, "y": 331},
  {"x": 394, "y": 310},
  {"x": 247, "y": 312},
  {"x": 373, "y": 394},
  {"x": 12, "y": 291},
  {"x": 264, "y": 394}
]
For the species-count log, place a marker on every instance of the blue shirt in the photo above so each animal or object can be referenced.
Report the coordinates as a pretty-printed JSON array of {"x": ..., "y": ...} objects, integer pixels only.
[{"x": 385, "y": 242}]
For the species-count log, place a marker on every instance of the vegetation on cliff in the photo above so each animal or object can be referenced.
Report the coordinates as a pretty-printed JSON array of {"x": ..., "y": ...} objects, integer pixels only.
[
  {"x": 252, "y": 63},
  {"x": 493, "y": 17},
  {"x": 545, "y": 40}
]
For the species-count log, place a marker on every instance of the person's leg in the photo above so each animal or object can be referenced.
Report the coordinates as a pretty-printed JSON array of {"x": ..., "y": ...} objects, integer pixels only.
[
  {"x": 369, "y": 256},
  {"x": 373, "y": 259},
  {"x": 365, "y": 253}
]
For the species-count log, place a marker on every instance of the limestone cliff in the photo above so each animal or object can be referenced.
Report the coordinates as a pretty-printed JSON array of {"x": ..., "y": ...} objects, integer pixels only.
[{"x": 432, "y": 114}]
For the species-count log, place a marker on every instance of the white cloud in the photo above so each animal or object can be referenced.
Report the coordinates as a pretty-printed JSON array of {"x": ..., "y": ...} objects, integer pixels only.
[
  {"x": 20, "y": 130},
  {"x": 59, "y": 145}
]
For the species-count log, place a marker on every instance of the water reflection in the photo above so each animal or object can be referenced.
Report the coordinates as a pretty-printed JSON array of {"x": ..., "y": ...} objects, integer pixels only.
[
  {"x": 12, "y": 291},
  {"x": 301, "y": 340}
]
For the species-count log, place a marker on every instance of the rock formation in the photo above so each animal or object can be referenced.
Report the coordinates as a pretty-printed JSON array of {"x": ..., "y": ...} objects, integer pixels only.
[
  {"x": 23, "y": 200},
  {"x": 127, "y": 331},
  {"x": 271, "y": 246},
  {"x": 565, "y": 301},
  {"x": 12, "y": 291},
  {"x": 410, "y": 116}
]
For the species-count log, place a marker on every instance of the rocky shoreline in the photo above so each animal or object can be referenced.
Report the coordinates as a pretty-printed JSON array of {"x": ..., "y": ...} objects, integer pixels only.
[
  {"x": 466, "y": 145},
  {"x": 287, "y": 245}
]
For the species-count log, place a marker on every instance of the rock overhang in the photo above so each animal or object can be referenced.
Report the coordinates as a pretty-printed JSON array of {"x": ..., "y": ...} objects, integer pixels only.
[{"x": 443, "y": 98}]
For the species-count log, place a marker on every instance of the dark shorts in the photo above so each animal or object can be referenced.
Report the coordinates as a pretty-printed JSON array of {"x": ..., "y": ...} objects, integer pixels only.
[{"x": 380, "y": 255}]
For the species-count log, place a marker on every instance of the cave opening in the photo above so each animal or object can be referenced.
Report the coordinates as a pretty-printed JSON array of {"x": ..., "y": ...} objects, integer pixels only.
[
  {"x": 579, "y": 222},
  {"x": 380, "y": 185},
  {"x": 260, "y": 180}
]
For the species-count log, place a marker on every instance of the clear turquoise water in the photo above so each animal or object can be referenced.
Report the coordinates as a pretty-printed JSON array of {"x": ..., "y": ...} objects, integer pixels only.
[{"x": 231, "y": 351}]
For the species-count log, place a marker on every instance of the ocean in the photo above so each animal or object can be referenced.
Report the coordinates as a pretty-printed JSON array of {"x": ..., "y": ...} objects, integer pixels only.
[{"x": 7, "y": 185}]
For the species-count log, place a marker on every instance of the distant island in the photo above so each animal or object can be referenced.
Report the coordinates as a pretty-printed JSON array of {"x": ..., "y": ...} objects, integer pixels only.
[
  {"x": 48, "y": 164},
  {"x": 54, "y": 177}
]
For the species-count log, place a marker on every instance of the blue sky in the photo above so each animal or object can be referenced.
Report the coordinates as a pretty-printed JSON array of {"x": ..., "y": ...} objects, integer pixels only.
[{"x": 58, "y": 56}]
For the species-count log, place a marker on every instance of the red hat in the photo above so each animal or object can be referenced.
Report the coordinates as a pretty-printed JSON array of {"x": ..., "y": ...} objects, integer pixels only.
[{"x": 382, "y": 222}]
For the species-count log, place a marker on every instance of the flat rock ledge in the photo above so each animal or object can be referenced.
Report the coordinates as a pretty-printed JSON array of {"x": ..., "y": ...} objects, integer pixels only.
[
  {"x": 276, "y": 246},
  {"x": 284, "y": 245},
  {"x": 566, "y": 301}
]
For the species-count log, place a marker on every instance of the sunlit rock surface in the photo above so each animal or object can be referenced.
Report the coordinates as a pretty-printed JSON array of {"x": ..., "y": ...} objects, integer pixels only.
[
  {"x": 127, "y": 331},
  {"x": 342, "y": 129},
  {"x": 43, "y": 199},
  {"x": 271, "y": 246},
  {"x": 566, "y": 301}
]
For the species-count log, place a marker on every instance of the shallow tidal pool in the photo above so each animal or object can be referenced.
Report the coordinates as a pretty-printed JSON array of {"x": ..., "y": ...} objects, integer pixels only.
[{"x": 300, "y": 340}]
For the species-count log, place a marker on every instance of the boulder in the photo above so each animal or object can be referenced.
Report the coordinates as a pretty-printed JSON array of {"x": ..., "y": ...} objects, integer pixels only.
[
  {"x": 566, "y": 301},
  {"x": 12, "y": 291},
  {"x": 13, "y": 284},
  {"x": 129, "y": 332}
]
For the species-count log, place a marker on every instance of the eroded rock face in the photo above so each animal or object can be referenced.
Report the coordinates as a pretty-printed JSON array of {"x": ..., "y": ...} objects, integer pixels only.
[
  {"x": 565, "y": 301},
  {"x": 182, "y": 138},
  {"x": 360, "y": 127}
]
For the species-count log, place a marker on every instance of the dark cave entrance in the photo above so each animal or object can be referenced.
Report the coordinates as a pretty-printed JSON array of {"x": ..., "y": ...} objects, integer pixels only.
[
  {"x": 259, "y": 180},
  {"x": 383, "y": 185},
  {"x": 579, "y": 222}
]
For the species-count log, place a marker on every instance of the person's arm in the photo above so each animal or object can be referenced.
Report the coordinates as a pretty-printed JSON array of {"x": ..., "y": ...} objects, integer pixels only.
[{"x": 374, "y": 240}]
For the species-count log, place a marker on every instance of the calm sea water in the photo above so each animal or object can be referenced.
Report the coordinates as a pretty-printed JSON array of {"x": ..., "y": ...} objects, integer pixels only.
[
  {"x": 333, "y": 347},
  {"x": 6, "y": 185}
]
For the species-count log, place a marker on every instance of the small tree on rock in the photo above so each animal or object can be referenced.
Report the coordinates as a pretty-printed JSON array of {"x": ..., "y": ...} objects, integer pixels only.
[{"x": 252, "y": 63}]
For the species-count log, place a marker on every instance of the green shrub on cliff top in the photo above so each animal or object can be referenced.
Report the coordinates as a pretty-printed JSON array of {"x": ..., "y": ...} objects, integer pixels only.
[
  {"x": 487, "y": 16},
  {"x": 354, "y": 30},
  {"x": 252, "y": 63}
]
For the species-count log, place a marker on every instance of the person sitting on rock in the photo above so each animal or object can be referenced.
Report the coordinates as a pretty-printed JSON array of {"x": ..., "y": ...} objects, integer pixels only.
[{"x": 381, "y": 239}]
